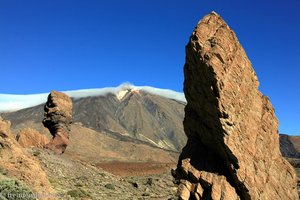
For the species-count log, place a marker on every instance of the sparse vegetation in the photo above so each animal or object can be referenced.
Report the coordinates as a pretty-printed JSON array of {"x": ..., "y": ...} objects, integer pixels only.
[
  {"x": 135, "y": 184},
  {"x": 146, "y": 194},
  {"x": 36, "y": 153},
  {"x": 298, "y": 175},
  {"x": 297, "y": 171},
  {"x": 102, "y": 174},
  {"x": 110, "y": 186},
  {"x": 149, "y": 182},
  {"x": 78, "y": 184},
  {"x": 11, "y": 189},
  {"x": 78, "y": 193},
  {"x": 3, "y": 171},
  {"x": 73, "y": 179}
]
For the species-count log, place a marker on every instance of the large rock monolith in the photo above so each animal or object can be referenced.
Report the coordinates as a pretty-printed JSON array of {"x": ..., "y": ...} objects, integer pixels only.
[
  {"x": 58, "y": 119},
  {"x": 232, "y": 150}
]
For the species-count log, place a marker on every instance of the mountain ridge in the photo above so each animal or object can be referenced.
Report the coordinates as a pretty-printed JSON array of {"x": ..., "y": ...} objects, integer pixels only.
[
  {"x": 14, "y": 102},
  {"x": 136, "y": 115}
]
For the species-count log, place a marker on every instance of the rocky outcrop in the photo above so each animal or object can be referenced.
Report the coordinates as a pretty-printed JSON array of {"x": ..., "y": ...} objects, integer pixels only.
[
  {"x": 232, "y": 150},
  {"x": 16, "y": 162},
  {"x": 58, "y": 118},
  {"x": 29, "y": 137}
]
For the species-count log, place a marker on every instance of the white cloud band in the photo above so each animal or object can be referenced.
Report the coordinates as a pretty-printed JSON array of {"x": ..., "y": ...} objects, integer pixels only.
[{"x": 9, "y": 102}]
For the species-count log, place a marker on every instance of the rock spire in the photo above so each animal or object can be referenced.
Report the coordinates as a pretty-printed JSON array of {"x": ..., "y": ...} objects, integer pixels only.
[
  {"x": 232, "y": 150},
  {"x": 58, "y": 119}
]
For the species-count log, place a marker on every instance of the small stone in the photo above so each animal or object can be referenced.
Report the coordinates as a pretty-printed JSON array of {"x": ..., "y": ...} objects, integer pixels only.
[{"x": 184, "y": 190}]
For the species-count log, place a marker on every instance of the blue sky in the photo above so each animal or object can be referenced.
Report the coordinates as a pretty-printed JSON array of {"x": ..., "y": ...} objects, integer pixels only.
[{"x": 78, "y": 44}]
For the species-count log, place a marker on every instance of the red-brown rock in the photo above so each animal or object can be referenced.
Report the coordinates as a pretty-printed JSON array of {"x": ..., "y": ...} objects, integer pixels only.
[
  {"x": 29, "y": 137},
  {"x": 231, "y": 127},
  {"x": 19, "y": 164},
  {"x": 58, "y": 119}
]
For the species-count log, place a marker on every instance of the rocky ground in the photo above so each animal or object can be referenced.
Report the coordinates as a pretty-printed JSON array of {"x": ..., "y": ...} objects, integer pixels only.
[
  {"x": 295, "y": 162},
  {"x": 298, "y": 174},
  {"x": 73, "y": 179}
]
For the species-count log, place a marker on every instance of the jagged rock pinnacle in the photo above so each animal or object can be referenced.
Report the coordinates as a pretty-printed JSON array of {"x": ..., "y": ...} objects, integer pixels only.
[
  {"x": 58, "y": 119},
  {"x": 233, "y": 145}
]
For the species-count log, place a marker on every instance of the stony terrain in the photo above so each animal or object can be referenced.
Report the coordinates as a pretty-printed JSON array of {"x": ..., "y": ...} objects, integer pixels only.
[
  {"x": 233, "y": 144},
  {"x": 92, "y": 167},
  {"x": 73, "y": 179},
  {"x": 65, "y": 177},
  {"x": 16, "y": 162}
]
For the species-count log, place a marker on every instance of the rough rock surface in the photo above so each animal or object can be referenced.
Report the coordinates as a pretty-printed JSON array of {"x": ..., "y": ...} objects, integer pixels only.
[
  {"x": 58, "y": 118},
  {"x": 19, "y": 164},
  {"x": 232, "y": 150},
  {"x": 28, "y": 137}
]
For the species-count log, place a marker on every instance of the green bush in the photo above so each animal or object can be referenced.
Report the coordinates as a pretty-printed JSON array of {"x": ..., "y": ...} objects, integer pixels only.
[
  {"x": 110, "y": 186},
  {"x": 3, "y": 171},
  {"x": 11, "y": 189},
  {"x": 78, "y": 193},
  {"x": 36, "y": 153},
  {"x": 146, "y": 194}
]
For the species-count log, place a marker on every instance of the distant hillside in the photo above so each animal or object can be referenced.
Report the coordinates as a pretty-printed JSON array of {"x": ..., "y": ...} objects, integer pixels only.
[
  {"x": 290, "y": 146},
  {"x": 133, "y": 115}
]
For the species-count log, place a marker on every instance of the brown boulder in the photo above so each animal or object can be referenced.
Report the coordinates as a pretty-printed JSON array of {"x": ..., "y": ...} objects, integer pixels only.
[
  {"x": 19, "y": 164},
  {"x": 29, "y": 137},
  {"x": 233, "y": 148},
  {"x": 58, "y": 119},
  {"x": 184, "y": 189}
]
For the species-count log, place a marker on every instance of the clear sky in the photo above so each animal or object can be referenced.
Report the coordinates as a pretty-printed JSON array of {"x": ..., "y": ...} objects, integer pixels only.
[{"x": 78, "y": 44}]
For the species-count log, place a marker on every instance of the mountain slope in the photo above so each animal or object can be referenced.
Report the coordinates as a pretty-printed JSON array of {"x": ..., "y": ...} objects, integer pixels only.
[
  {"x": 93, "y": 147},
  {"x": 128, "y": 114},
  {"x": 290, "y": 146},
  {"x": 139, "y": 115}
]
